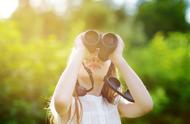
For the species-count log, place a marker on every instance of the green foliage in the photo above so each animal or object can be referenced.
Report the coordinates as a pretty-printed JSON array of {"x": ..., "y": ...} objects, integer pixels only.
[
  {"x": 35, "y": 47},
  {"x": 164, "y": 65},
  {"x": 163, "y": 15},
  {"x": 29, "y": 72}
]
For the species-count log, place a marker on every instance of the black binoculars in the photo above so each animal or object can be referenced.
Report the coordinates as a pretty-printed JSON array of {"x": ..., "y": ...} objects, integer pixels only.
[{"x": 106, "y": 42}]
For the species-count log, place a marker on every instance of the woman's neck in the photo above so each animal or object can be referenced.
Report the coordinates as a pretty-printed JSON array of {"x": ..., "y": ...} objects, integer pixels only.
[{"x": 98, "y": 85}]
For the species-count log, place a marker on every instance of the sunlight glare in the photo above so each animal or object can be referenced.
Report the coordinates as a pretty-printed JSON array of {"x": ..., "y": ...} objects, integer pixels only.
[
  {"x": 7, "y": 7},
  {"x": 60, "y": 6},
  {"x": 36, "y": 3}
]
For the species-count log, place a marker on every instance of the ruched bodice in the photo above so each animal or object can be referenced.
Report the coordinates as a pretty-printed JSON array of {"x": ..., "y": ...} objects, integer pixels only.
[{"x": 97, "y": 110}]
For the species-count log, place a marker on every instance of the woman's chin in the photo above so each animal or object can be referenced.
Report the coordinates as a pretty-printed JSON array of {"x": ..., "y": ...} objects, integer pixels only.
[
  {"x": 94, "y": 67},
  {"x": 96, "y": 76}
]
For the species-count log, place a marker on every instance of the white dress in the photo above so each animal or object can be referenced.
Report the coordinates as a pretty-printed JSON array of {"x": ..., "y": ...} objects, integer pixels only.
[{"x": 97, "y": 110}]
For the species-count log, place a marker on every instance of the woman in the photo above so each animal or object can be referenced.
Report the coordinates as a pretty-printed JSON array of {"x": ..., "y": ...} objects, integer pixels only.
[{"x": 100, "y": 105}]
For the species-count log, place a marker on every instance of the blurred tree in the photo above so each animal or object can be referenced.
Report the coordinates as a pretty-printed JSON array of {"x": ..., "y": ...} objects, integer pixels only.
[
  {"x": 106, "y": 17},
  {"x": 34, "y": 23},
  {"x": 33, "y": 56},
  {"x": 162, "y": 15},
  {"x": 165, "y": 72}
]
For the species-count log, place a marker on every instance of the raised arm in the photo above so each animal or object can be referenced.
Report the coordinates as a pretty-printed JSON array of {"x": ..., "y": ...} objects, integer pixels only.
[
  {"x": 143, "y": 101},
  {"x": 64, "y": 89}
]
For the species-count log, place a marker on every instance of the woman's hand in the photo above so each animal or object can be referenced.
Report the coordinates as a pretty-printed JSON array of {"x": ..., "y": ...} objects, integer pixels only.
[
  {"x": 79, "y": 43},
  {"x": 80, "y": 47},
  {"x": 119, "y": 49}
]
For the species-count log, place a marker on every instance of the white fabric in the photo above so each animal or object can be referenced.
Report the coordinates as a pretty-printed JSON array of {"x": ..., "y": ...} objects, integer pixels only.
[{"x": 96, "y": 110}]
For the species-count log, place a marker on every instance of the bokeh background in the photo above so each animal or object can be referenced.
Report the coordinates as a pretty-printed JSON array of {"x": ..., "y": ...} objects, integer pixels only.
[{"x": 36, "y": 37}]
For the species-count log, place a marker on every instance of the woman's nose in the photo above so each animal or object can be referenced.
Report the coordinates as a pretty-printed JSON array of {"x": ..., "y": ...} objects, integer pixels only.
[
  {"x": 95, "y": 59},
  {"x": 95, "y": 53},
  {"x": 95, "y": 56}
]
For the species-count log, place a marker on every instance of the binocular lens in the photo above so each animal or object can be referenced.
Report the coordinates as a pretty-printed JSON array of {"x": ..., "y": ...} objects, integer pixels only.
[
  {"x": 106, "y": 42},
  {"x": 91, "y": 40},
  {"x": 108, "y": 45},
  {"x": 110, "y": 39},
  {"x": 92, "y": 37}
]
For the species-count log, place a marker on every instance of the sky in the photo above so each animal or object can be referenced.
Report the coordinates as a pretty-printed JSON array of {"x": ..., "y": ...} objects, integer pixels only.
[{"x": 7, "y": 7}]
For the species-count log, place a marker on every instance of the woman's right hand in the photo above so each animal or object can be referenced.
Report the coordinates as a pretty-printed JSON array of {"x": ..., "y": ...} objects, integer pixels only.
[
  {"x": 78, "y": 48},
  {"x": 79, "y": 43}
]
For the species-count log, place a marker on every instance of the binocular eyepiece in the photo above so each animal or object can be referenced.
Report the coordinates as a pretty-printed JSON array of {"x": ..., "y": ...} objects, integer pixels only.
[{"x": 107, "y": 42}]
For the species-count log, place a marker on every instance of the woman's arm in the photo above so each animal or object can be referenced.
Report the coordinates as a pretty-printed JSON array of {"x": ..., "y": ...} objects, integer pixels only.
[
  {"x": 66, "y": 84},
  {"x": 143, "y": 101}
]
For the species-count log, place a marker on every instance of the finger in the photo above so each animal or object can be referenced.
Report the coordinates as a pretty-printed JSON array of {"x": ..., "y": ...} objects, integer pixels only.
[
  {"x": 78, "y": 39},
  {"x": 120, "y": 40}
]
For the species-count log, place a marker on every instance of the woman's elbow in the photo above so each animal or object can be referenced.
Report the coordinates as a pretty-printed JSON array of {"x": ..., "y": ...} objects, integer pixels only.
[
  {"x": 147, "y": 107},
  {"x": 61, "y": 106}
]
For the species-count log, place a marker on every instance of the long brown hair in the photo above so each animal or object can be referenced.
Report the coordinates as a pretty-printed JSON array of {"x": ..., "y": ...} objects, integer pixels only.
[{"x": 106, "y": 92}]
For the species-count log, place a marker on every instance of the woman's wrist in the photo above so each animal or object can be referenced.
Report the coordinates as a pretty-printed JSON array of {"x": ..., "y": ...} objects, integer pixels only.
[
  {"x": 117, "y": 60},
  {"x": 80, "y": 52},
  {"x": 76, "y": 54}
]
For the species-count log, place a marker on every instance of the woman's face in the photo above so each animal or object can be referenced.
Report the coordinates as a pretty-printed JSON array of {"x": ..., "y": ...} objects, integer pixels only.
[{"x": 99, "y": 68}]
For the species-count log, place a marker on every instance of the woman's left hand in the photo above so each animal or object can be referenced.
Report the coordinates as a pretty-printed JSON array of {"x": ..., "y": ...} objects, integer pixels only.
[{"x": 119, "y": 49}]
